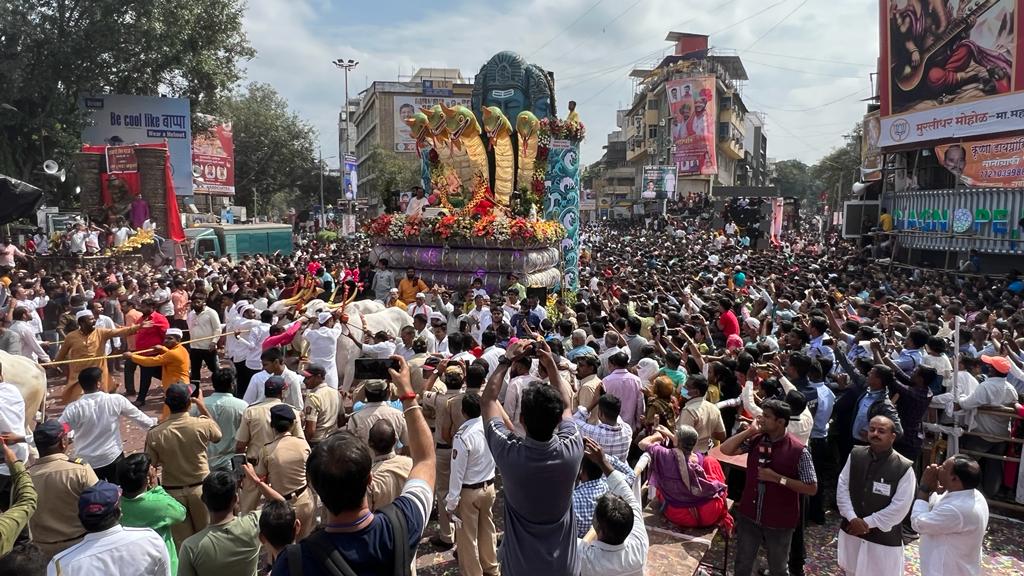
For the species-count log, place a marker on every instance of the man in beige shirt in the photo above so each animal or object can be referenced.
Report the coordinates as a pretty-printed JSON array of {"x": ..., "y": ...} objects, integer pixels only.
[
  {"x": 389, "y": 471},
  {"x": 59, "y": 482},
  {"x": 702, "y": 415},
  {"x": 376, "y": 408},
  {"x": 254, "y": 432},
  {"x": 439, "y": 392},
  {"x": 322, "y": 405},
  {"x": 282, "y": 464},
  {"x": 178, "y": 446},
  {"x": 587, "y": 368}
]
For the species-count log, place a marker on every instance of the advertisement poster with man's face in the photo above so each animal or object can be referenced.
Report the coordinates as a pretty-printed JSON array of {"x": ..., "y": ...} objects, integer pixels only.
[
  {"x": 658, "y": 183},
  {"x": 988, "y": 163},
  {"x": 694, "y": 119},
  {"x": 213, "y": 161},
  {"x": 870, "y": 154},
  {"x": 406, "y": 106}
]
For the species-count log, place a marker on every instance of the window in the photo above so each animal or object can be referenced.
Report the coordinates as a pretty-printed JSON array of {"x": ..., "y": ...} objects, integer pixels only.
[
  {"x": 652, "y": 132},
  {"x": 652, "y": 104}
]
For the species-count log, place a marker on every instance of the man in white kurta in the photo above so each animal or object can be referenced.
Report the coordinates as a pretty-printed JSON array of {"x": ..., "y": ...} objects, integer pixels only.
[
  {"x": 858, "y": 556},
  {"x": 952, "y": 525},
  {"x": 323, "y": 346}
]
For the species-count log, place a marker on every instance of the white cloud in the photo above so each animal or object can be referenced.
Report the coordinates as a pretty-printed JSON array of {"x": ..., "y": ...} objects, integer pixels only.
[{"x": 591, "y": 59}]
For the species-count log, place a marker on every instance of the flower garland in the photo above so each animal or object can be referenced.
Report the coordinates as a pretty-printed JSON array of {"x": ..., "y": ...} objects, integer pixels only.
[{"x": 495, "y": 225}]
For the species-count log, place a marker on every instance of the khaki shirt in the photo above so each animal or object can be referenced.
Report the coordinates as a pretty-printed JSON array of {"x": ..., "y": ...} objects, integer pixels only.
[
  {"x": 437, "y": 399},
  {"x": 322, "y": 406},
  {"x": 255, "y": 431},
  {"x": 588, "y": 388},
  {"x": 283, "y": 462},
  {"x": 705, "y": 419},
  {"x": 59, "y": 481},
  {"x": 455, "y": 415},
  {"x": 387, "y": 477},
  {"x": 361, "y": 421},
  {"x": 178, "y": 445}
]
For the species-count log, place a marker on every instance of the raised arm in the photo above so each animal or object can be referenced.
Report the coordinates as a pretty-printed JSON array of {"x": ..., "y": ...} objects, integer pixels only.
[
  {"x": 421, "y": 441},
  {"x": 548, "y": 361}
]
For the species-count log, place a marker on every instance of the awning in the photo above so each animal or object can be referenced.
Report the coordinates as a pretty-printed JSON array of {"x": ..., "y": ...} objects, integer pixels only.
[{"x": 18, "y": 199}]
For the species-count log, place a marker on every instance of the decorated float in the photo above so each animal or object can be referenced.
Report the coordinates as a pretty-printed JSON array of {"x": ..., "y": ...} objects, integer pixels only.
[{"x": 505, "y": 175}]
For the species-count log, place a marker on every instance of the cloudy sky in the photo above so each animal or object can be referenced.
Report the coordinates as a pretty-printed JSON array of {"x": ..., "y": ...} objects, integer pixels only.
[{"x": 808, "y": 60}]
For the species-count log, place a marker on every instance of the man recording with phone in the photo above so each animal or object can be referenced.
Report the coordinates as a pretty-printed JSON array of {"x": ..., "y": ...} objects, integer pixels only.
[{"x": 779, "y": 470}]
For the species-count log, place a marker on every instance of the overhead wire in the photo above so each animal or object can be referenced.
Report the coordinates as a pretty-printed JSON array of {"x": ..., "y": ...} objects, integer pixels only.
[
  {"x": 776, "y": 25},
  {"x": 566, "y": 29}
]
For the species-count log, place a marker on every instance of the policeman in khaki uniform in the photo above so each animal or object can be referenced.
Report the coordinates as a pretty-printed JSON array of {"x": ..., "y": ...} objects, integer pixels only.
[
  {"x": 436, "y": 396},
  {"x": 59, "y": 481},
  {"x": 254, "y": 432},
  {"x": 475, "y": 377},
  {"x": 282, "y": 465},
  {"x": 322, "y": 406},
  {"x": 389, "y": 471},
  {"x": 470, "y": 494},
  {"x": 178, "y": 445}
]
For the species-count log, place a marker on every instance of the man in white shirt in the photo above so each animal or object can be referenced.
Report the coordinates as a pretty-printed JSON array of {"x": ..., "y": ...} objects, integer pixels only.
[
  {"x": 422, "y": 326},
  {"x": 621, "y": 545},
  {"x": 952, "y": 524},
  {"x": 323, "y": 345},
  {"x": 8, "y": 252},
  {"x": 33, "y": 300},
  {"x": 108, "y": 548},
  {"x": 121, "y": 234},
  {"x": 492, "y": 352},
  {"x": 379, "y": 345},
  {"x": 273, "y": 365},
  {"x": 874, "y": 494},
  {"x": 30, "y": 347},
  {"x": 419, "y": 306},
  {"x": 471, "y": 494},
  {"x": 417, "y": 204},
  {"x": 993, "y": 391},
  {"x": 95, "y": 419},
  {"x": 203, "y": 322},
  {"x": 12, "y": 420}
]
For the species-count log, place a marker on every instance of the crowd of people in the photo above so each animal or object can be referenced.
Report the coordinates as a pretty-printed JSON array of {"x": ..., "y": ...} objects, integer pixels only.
[{"x": 797, "y": 381}]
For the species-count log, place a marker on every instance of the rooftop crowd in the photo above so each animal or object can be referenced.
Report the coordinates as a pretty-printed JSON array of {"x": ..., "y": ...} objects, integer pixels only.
[{"x": 808, "y": 365}]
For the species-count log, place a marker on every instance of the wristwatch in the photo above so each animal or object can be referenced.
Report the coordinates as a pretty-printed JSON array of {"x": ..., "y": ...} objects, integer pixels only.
[
  {"x": 783, "y": 480},
  {"x": 504, "y": 359}
]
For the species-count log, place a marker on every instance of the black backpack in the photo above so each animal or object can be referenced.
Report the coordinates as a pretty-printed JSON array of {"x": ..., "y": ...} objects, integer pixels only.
[{"x": 332, "y": 562}]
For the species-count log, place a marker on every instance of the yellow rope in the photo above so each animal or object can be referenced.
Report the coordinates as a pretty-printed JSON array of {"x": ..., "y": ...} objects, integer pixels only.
[{"x": 153, "y": 349}]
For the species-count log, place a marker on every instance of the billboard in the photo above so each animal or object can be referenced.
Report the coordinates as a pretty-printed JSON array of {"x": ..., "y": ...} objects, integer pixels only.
[
  {"x": 694, "y": 112},
  {"x": 986, "y": 163},
  {"x": 350, "y": 182},
  {"x": 948, "y": 69},
  {"x": 114, "y": 120},
  {"x": 870, "y": 153},
  {"x": 658, "y": 183},
  {"x": 407, "y": 105},
  {"x": 213, "y": 161}
]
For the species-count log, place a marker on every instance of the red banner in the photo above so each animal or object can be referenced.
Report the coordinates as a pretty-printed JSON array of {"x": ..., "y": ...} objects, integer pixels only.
[
  {"x": 213, "y": 161},
  {"x": 694, "y": 122},
  {"x": 121, "y": 160}
]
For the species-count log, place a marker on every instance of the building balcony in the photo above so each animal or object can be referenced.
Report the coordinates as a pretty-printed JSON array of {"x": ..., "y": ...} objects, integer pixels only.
[
  {"x": 651, "y": 117},
  {"x": 732, "y": 148}
]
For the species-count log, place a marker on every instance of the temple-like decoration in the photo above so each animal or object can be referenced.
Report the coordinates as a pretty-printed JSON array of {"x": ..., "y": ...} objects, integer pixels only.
[{"x": 501, "y": 189}]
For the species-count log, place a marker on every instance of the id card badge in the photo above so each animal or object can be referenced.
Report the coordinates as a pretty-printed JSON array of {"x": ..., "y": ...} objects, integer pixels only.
[{"x": 881, "y": 488}]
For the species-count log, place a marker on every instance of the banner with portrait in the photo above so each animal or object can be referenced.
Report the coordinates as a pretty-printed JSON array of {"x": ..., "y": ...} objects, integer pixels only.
[
  {"x": 213, "y": 161},
  {"x": 949, "y": 69},
  {"x": 406, "y": 105},
  {"x": 694, "y": 112},
  {"x": 658, "y": 183},
  {"x": 986, "y": 163},
  {"x": 870, "y": 153}
]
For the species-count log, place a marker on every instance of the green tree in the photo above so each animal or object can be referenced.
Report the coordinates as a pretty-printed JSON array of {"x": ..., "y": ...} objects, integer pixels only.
[
  {"x": 840, "y": 168},
  {"x": 274, "y": 150},
  {"x": 794, "y": 178},
  {"x": 53, "y": 50},
  {"x": 383, "y": 172}
]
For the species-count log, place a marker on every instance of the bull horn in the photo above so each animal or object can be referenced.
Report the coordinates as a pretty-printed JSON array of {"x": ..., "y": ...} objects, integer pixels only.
[
  {"x": 351, "y": 298},
  {"x": 333, "y": 294}
]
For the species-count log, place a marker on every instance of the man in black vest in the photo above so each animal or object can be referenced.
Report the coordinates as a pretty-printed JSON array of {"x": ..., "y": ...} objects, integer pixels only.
[{"x": 875, "y": 493}]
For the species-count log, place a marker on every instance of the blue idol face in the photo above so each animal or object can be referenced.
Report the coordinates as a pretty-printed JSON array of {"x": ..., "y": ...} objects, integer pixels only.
[
  {"x": 542, "y": 106},
  {"x": 512, "y": 101}
]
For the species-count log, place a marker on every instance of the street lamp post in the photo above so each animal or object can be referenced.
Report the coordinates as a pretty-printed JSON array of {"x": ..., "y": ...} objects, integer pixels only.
[
  {"x": 323, "y": 207},
  {"x": 346, "y": 66}
]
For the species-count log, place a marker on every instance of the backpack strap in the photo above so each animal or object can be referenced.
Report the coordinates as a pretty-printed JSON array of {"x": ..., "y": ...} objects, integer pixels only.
[
  {"x": 400, "y": 539},
  {"x": 327, "y": 556}
]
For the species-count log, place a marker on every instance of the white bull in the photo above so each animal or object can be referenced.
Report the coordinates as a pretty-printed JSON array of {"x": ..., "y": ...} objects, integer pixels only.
[
  {"x": 30, "y": 379},
  {"x": 390, "y": 320}
]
